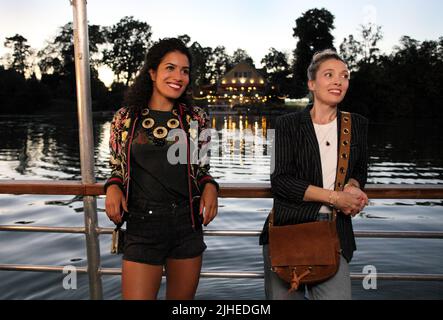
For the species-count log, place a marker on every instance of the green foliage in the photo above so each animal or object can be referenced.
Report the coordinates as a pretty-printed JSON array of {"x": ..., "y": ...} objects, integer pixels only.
[
  {"x": 185, "y": 39},
  {"x": 240, "y": 55},
  {"x": 58, "y": 55},
  {"x": 209, "y": 65},
  {"x": 278, "y": 71},
  {"x": 129, "y": 40},
  {"x": 20, "y": 53},
  {"x": 200, "y": 73},
  {"x": 371, "y": 34},
  {"x": 407, "y": 83},
  {"x": 365, "y": 50},
  {"x": 57, "y": 66},
  {"x": 18, "y": 94},
  {"x": 351, "y": 51},
  {"x": 219, "y": 62},
  {"x": 313, "y": 32}
]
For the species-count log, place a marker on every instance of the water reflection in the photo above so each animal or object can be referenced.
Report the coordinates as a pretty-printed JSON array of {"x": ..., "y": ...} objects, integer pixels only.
[
  {"x": 46, "y": 147},
  {"x": 241, "y": 148}
]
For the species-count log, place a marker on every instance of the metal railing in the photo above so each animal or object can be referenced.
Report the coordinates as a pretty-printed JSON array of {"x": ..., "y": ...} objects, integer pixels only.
[{"x": 226, "y": 191}]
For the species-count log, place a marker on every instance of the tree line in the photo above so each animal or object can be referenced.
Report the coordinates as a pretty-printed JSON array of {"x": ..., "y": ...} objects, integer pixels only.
[{"x": 408, "y": 82}]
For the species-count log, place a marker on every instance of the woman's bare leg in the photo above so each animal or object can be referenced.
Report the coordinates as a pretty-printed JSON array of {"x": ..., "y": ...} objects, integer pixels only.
[
  {"x": 140, "y": 281},
  {"x": 182, "y": 278}
]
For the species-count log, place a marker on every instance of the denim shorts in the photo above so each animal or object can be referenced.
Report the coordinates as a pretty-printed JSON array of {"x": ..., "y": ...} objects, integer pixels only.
[{"x": 158, "y": 231}]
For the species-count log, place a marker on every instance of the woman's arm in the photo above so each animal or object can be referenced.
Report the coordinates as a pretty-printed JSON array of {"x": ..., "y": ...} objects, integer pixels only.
[
  {"x": 115, "y": 199},
  {"x": 346, "y": 202},
  {"x": 116, "y": 137},
  {"x": 202, "y": 175},
  {"x": 208, "y": 186},
  {"x": 358, "y": 177}
]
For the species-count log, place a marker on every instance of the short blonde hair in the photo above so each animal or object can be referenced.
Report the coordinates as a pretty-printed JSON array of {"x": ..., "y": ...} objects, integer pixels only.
[{"x": 318, "y": 58}]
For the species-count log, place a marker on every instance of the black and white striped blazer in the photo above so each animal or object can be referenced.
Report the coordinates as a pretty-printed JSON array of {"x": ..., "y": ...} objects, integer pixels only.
[{"x": 297, "y": 165}]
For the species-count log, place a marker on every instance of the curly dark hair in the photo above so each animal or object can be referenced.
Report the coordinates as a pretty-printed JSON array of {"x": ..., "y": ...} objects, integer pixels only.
[{"x": 137, "y": 96}]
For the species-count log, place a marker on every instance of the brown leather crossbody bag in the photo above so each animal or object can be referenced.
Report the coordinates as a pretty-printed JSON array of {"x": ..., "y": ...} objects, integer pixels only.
[{"x": 309, "y": 253}]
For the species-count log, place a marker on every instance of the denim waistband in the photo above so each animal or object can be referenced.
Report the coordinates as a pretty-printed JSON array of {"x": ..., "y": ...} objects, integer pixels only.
[{"x": 140, "y": 205}]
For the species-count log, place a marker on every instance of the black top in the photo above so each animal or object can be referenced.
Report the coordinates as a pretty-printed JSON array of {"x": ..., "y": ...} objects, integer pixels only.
[
  {"x": 297, "y": 165},
  {"x": 153, "y": 177}
]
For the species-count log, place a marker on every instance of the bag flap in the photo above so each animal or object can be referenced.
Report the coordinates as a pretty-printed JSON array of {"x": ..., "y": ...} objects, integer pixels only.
[{"x": 314, "y": 243}]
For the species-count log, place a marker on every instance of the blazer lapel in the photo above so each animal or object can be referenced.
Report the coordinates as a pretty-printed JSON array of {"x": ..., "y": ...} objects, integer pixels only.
[{"x": 307, "y": 129}]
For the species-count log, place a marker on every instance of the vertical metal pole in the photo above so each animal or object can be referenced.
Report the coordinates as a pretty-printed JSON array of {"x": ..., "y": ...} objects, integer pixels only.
[{"x": 83, "y": 84}]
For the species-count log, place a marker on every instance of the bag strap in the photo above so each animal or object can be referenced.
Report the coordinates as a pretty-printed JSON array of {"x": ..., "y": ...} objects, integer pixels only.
[
  {"x": 344, "y": 152},
  {"x": 271, "y": 218}
]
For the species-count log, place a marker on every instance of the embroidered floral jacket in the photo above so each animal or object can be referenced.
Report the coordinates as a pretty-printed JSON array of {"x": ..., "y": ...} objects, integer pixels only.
[{"x": 122, "y": 131}]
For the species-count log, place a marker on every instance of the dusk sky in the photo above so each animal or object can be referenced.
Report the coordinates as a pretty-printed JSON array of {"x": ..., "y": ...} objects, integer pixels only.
[{"x": 253, "y": 25}]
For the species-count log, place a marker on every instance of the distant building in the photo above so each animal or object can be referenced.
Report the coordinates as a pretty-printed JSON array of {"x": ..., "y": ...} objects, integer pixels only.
[
  {"x": 243, "y": 76},
  {"x": 243, "y": 84}
]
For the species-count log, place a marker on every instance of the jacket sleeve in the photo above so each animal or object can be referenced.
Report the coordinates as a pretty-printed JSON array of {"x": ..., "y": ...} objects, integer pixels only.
[
  {"x": 202, "y": 175},
  {"x": 285, "y": 183},
  {"x": 360, "y": 171},
  {"x": 115, "y": 149}
]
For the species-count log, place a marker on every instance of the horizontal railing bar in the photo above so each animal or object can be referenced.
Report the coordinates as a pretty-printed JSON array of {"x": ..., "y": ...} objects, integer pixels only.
[
  {"x": 38, "y": 268},
  {"x": 399, "y": 234},
  {"x": 232, "y": 233},
  {"x": 238, "y": 275},
  {"x": 43, "y": 187},
  {"x": 236, "y": 233},
  {"x": 227, "y": 190},
  {"x": 354, "y": 276},
  {"x": 401, "y": 277},
  {"x": 43, "y": 229},
  {"x": 228, "y": 275},
  {"x": 245, "y": 190},
  {"x": 358, "y": 234},
  {"x": 105, "y": 230}
]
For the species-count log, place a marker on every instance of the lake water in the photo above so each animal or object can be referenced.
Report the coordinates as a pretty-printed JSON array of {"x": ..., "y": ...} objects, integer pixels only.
[{"x": 46, "y": 147}]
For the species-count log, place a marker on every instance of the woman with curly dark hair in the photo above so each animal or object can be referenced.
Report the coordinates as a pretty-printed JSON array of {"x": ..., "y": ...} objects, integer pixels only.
[{"x": 163, "y": 201}]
